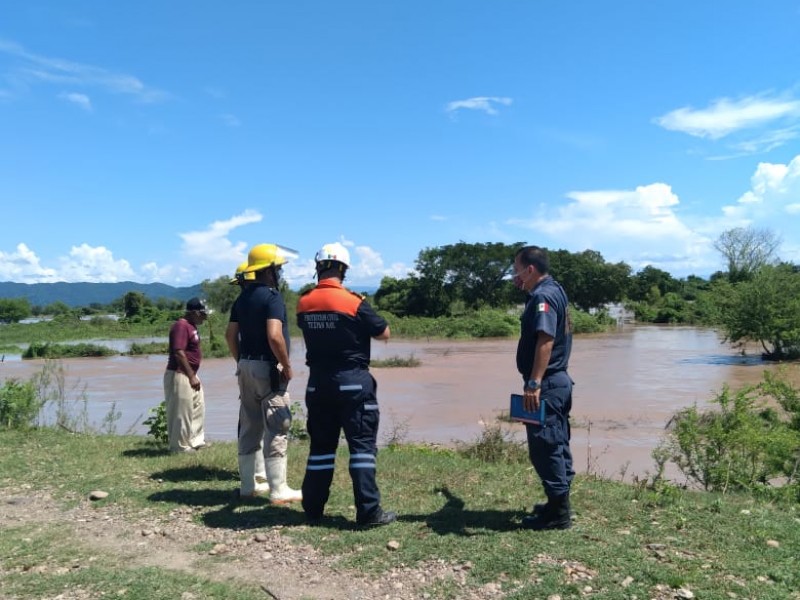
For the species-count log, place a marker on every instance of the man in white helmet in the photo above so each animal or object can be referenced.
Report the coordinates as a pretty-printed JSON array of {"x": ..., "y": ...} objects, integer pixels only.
[
  {"x": 258, "y": 339},
  {"x": 337, "y": 327}
]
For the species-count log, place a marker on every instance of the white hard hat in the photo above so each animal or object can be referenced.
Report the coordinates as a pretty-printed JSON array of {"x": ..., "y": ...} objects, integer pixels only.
[{"x": 334, "y": 251}]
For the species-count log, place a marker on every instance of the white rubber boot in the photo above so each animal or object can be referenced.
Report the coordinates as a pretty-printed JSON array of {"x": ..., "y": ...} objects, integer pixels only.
[
  {"x": 262, "y": 485},
  {"x": 248, "y": 488},
  {"x": 280, "y": 493}
]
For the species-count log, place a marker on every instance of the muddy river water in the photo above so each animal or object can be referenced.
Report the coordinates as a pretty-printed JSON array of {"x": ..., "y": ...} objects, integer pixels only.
[{"x": 628, "y": 384}]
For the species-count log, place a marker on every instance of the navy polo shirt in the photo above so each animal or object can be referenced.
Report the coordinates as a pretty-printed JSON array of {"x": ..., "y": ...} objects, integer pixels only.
[
  {"x": 255, "y": 305},
  {"x": 545, "y": 310}
]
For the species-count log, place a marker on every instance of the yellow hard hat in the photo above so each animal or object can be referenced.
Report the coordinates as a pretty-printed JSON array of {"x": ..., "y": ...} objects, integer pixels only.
[
  {"x": 263, "y": 256},
  {"x": 241, "y": 275}
]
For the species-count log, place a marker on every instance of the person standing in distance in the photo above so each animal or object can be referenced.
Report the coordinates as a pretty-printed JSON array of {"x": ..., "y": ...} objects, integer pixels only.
[
  {"x": 183, "y": 391},
  {"x": 338, "y": 326},
  {"x": 542, "y": 359},
  {"x": 258, "y": 339}
]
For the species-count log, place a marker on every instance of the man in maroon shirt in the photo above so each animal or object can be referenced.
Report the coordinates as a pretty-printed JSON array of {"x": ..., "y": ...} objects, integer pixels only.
[{"x": 182, "y": 389}]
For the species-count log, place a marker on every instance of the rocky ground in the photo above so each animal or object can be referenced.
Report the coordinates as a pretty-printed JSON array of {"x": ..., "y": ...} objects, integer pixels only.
[{"x": 283, "y": 569}]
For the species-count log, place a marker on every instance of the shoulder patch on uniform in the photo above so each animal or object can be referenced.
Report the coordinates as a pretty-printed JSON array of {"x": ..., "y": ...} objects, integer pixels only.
[{"x": 543, "y": 307}]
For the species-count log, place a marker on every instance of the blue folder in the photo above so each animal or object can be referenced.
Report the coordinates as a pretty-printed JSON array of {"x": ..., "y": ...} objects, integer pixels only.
[{"x": 517, "y": 411}]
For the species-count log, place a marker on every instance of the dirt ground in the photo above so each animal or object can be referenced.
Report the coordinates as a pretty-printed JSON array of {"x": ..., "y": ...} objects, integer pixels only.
[{"x": 283, "y": 570}]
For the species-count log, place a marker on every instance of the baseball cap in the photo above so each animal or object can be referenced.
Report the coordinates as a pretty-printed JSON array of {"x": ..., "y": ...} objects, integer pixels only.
[{"x": 196, "y": 304}]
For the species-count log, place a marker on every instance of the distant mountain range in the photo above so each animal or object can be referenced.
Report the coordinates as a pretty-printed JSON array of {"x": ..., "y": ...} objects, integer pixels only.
[{"x": 84, "y": 294}]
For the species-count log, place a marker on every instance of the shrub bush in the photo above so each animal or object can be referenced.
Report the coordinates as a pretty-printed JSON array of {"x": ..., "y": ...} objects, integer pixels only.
[
  {"x": 19, "y": 404},
  {"x": 747, "y": 444}
]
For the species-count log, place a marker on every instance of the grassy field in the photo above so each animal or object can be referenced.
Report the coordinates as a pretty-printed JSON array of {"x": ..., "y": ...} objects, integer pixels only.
[{"x": 628, "y": 541}]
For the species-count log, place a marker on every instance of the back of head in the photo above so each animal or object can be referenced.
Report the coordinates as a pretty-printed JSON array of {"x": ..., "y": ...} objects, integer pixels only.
[
  {"x": 332, "y": 258},
  {"x": 536, "y": 256}
]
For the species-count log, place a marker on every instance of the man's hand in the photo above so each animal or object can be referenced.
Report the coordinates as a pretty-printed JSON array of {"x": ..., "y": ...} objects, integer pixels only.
[
  {"x": 532, "y": 398},
  {"x": 194, "y": 381}
]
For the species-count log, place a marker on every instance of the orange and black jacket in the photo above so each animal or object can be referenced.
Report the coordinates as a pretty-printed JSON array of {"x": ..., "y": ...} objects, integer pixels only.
[{"x": 337, "y": 326}]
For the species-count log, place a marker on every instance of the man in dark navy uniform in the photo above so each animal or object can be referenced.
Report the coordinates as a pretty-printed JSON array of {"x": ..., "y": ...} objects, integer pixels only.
[
  {"x": 542, "y": 359},
  {"x": 258, "y": 340},
  {"x": 338, "y": 326}
]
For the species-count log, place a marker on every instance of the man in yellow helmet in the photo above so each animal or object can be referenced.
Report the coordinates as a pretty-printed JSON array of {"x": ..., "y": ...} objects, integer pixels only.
[
  {"x": 261, "y": 486},
  {"x": 258, "y": 339}
]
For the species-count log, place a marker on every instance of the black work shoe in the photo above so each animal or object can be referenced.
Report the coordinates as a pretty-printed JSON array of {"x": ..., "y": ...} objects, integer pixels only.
[
  {"x": 556, "y": 514},
  {"x": 381, "y": 517},
  {"x": 541, "y": 522},
  {"x": 538, "y": 508}
]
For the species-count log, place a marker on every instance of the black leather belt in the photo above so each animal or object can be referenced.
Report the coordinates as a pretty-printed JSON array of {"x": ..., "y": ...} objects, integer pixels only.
[{"x": 263, "y": 357}]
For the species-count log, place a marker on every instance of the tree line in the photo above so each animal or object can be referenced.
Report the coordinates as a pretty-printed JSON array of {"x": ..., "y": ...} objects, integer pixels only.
[{"x": 467, "y": 287}]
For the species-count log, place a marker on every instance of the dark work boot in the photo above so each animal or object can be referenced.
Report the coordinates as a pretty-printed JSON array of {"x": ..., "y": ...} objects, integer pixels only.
[
  {"x": 556, "y": 514},
  {"x": 381, "y": 517},
  {"x": 540, "y": 506}
]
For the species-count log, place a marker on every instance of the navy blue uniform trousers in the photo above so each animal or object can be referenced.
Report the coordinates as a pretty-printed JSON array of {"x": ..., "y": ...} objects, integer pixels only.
[
  {"x": 548, "y": 444},
  {"x": 336, "y": 401}
]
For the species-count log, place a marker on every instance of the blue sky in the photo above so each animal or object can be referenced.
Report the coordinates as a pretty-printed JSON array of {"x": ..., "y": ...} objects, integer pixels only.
[{"x": 158, "y": 141}]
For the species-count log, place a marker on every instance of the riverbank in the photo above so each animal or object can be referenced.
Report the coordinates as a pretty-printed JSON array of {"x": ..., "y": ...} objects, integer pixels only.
[
  {"x": 628, "y": 385},
  {"x": 170, "y": 527}
]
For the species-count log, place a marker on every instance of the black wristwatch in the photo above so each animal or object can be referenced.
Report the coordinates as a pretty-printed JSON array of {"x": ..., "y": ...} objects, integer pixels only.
[{"x": 532, "y": 384}]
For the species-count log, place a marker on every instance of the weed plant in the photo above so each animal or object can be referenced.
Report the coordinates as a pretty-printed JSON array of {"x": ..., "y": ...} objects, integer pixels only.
[{"x": 395, "y": 361}]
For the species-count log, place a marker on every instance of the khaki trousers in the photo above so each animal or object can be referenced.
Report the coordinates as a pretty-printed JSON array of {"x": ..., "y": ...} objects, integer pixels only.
[
  {"x": 186, "y": 410},
  {"x": 262, "y": 409}
]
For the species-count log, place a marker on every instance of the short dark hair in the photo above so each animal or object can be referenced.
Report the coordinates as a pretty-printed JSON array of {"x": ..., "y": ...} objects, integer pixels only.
[
  {"x": 536, "y": 256},
  {"x": 330, "y": 268}
]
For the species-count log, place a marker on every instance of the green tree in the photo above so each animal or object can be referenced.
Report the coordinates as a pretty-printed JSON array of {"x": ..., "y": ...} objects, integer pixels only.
[
  {"x": 13, "y": 310},
  {"x": 764, "y": 309},
  {"x": 456, "y": 277},
  {"x": 588, "y": 279},
  {"x": 393, "y": 295},
  {"x": 220, "y": 293},
  {"x": 134, "y": 303},
  {"x": 642, "y": 284}
]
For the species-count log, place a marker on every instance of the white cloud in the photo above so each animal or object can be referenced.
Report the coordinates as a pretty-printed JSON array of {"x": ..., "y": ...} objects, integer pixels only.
[
  {"x": 211, "y": 246},
  {"x": 638, "y": 226},
  {"x": 726, "y": 116},
  {"x": 81, "y": 100},
  {"x": 94, "y": 264},
  {"x": 34, "y": 68},
  {"x": 772, "y": 200},
  {"x": 484, "y": 103},
  {"x": 23, "y": 266},
  {"x": 230, "y": 120}
]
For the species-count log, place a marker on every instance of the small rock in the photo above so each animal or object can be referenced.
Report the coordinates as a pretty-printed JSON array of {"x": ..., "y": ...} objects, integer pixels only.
[
  {"x": 587, "y": 589},
  {"x": 260, "y": 538},
  {"x": 554, "y": 597},
  {"x": 762, "y": 579},
  {"x": 744, "y": 511},
  {"x": 684, "y": 593},
  {"x": 267, "y": 556},
  {"x": 146, "y": 533},
  {"x": 97, "y": 495},
  {"x": 624, "y": 532},
  {"x": 627, "y": 581},
  {"x": 392, "y": 545},
  {"x": 773, "y": 543}
]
